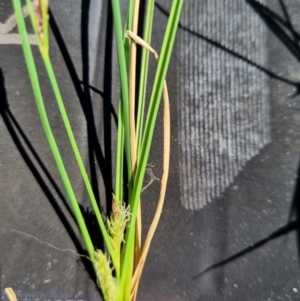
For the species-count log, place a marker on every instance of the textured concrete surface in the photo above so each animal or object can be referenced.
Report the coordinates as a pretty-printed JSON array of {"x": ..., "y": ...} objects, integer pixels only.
[{"x": 224, "y": 111}]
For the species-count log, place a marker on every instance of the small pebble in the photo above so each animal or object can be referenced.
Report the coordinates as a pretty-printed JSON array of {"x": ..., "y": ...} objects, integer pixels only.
[{"x": 48, "y": 267}]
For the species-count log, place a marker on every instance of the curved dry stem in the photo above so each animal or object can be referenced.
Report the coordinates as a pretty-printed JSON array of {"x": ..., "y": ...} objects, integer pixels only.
[{"x": 163, "y": 186}]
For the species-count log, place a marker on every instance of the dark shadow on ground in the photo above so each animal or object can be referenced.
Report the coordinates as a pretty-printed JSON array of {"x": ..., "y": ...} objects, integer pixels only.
[
  {"x": 283, "y": 29},
  {"x": 93, "y": 226},
  {"x": 292, "y": 225},
  {"x": 295, "y": 208},
  {"x": 289, "y": 227}
]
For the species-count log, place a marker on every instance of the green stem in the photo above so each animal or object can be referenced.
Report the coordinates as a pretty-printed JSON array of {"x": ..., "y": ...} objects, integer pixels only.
[
  {"x": 120, "y": 143},
  {"x": 160, "y": 76},
  {"x": 128, "y": 25},
  {"x": 144, "y": 72},
  {"x": 47, "y": 129},
  {"x": 78, "y": 157},
  {"x": 124, "y": 80},
  {"x": 120, "y": 160}
]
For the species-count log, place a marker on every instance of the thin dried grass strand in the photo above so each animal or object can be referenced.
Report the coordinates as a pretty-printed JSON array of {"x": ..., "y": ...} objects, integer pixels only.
[{"x": 50, "y": 245}]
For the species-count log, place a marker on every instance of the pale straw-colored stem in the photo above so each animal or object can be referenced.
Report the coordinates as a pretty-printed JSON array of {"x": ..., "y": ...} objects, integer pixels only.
[
  {"x": 163, "y": 186},
  {"x": 166, "y": 162},
  {"x": 10, "y": 294}
]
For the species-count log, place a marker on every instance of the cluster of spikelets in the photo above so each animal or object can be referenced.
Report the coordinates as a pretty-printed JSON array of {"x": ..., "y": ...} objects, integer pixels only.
[
  {"x": 106, "y": 281},
  {"x": 116, "y": 226}
]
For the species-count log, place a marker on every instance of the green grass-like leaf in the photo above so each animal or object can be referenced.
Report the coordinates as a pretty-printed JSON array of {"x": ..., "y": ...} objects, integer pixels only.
[
  {"x": 144, "y": 72},
  {"x": 47, "y": 129},
  {"x": 123, "y": 79},
  {"x": 160, "y": 76}
]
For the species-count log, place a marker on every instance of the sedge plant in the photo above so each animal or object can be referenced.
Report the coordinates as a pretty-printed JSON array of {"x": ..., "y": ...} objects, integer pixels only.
[{"x": 119, "y": 266}]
